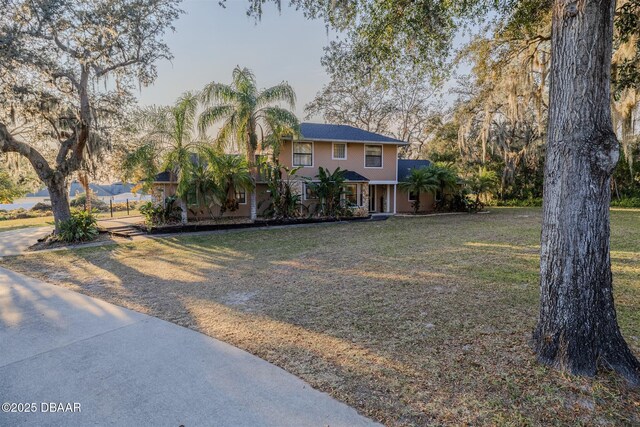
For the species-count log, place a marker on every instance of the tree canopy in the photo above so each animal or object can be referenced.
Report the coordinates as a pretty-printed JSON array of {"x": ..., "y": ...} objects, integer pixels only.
[{"x": 69, "y": 70}]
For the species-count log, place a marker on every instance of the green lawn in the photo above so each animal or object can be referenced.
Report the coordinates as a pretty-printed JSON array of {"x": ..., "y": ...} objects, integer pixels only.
[{"x": 413, "y": 321}]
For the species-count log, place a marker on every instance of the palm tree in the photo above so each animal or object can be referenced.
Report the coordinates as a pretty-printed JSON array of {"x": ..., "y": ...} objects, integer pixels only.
[
  {"x": 483, "y": 182},
  {"x": 329, "y": 186},
  {"x": 246, "y": 112},
  {"x": 167, "y": 142},
  {"x": 447, "y": 179},
  {"x": 420, "y": 180},
  {"x": 230, "y": 173}
]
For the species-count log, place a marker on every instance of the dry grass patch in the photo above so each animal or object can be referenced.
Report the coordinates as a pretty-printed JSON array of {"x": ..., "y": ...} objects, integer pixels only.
[{"x": 413, "y": 321}]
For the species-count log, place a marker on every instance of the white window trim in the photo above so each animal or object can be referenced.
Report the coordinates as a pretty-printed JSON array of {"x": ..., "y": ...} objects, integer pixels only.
[
  {"x": 304, "y": 192},
  {"x": 333, "y": 150},
  {"x": 245, "y": 197},
  {"x": 313, "y": 153},
  {"x": 381, "y": 156}
]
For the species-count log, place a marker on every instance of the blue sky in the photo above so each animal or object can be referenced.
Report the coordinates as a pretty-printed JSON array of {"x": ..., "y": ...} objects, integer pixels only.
[{"x": 210, "y": 41}]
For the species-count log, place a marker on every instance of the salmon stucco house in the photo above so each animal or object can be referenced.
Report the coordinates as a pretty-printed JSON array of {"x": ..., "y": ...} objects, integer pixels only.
[{"x": 371, "y": 161}]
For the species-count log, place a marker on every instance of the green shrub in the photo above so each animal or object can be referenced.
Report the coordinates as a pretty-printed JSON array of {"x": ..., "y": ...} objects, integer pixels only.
[
  {"x": 96, "y": 203},
  {"x": 41, "y": 207},
  {"x": 521, "y": 203},
  {"x": 626, "y": 202},
  {"x": 122, "y": 206},
  {"x": 81, "y": 227},
  {"x": 157, "y": 214}
]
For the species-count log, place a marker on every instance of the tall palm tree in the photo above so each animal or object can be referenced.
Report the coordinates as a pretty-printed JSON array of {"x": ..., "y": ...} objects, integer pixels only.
[
  {"x": 167, "y": 142},
  {"x": 248, "y": 115},
  {"x": 420, "y": 180}
]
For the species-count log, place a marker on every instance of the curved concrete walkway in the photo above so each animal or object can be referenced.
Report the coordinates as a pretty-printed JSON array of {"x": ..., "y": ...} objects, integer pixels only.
[
  {"x": 126, "y": 368},
  {"x": 16, "y": 242}
]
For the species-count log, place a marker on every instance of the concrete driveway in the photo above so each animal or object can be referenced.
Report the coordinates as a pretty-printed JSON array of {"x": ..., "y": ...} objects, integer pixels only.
[
  {"x": 105, "y": 365},
  {"x": 15, "y": 242}
]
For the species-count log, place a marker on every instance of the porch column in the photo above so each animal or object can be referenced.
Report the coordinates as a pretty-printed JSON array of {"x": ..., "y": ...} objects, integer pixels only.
[
  {"x": 388, "y": 210},
  {"x": 395, "y": 198}
]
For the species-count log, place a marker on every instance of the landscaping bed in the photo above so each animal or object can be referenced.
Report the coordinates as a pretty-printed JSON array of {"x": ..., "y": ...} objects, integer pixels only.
[
  {"x": 413, "y": 323},
  {"x": 44, "y": 244},
  {"x": 216, "y": 225}
]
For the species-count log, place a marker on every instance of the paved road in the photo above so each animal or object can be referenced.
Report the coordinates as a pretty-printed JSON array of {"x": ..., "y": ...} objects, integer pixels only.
[
  {"x": 15, "y": 242},
  {"x": 126, "y": 368}
]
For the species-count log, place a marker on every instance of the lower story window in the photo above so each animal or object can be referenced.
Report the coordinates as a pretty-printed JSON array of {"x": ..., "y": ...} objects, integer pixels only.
[
  {"x": 351, "y": 194},
  {"x": 413, "y": 196},
  {"x": 310, "y": 192},
  {"x": 241, "y": 197}
]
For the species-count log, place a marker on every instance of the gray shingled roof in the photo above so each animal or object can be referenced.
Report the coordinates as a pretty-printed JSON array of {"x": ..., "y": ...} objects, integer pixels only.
[
  {"x": 327, "y": 132},
  {"x": 163, "y": 177},
  {"x": 405, "y": 166},
  {"x": 354, "y": 177}
]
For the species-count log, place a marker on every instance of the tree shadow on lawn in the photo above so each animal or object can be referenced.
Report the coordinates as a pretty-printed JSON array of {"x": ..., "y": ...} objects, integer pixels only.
[{"x": 406, "y": 344}]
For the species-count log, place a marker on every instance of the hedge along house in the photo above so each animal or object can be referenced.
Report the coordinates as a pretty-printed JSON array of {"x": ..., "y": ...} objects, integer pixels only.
[{"x": 370, "y": 160}]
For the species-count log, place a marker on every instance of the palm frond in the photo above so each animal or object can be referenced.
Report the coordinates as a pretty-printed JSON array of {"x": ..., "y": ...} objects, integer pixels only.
[
  {"x": 227, "y": 135},
  {"x": 244, "y": 81},
  {"x": 219, "y": 93},
  {"x": 141, "y": 164},
  {"x": 184, "y": 115},
  {"x": 279, "y": 93},
  {"x": 212, "y": 115},
  {"x": 278, "y": 118}
]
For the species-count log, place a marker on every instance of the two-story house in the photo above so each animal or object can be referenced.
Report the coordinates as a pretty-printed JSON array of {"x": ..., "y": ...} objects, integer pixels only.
[{"x": 370, "y": 159}]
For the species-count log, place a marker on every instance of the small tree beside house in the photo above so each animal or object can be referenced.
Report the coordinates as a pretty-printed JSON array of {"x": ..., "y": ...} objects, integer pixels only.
[{"x": 420, "y": 180}]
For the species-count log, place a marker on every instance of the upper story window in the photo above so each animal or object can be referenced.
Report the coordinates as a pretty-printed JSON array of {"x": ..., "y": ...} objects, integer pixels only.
[
  {"x": 373, "y": 156},
  {"x": 302, "y": 154},
  {"x": 339, "y": 151}
]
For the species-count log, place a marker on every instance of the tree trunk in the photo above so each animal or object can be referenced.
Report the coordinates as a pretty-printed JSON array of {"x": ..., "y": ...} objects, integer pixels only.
[
  {"x": 254, "y": 205},
  {"x": 577, "y": 330},
  {"x": 59, "y": 195},
  {"x": 83, "y": 177},
  {"x": 184, "y": 216},
  {"x": 251, "y": 159}
]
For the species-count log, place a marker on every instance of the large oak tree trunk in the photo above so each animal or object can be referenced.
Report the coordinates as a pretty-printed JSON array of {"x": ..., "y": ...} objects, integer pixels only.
[
  {"x": 59, "y": 195},
  {"x": 577, "y": 330}
]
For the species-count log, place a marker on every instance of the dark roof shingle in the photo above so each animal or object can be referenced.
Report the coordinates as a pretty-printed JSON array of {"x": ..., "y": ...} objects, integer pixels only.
[
  {"x": 405, "y": 166},
  {"x": 328, "y": 132},
  {"x": 354, "y": 176},
  {"x": 163, "y": 177}
]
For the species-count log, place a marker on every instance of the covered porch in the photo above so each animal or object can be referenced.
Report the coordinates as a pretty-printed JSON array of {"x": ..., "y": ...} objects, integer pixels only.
[{"x": 382, "y": 197}]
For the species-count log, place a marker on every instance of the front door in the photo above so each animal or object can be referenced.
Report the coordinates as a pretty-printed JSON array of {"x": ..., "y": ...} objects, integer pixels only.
[{"x": 372, "y": 198}]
